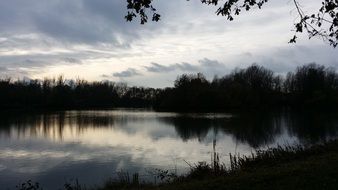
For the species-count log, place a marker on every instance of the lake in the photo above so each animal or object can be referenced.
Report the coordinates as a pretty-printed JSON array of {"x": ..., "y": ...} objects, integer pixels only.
[{"x": 91, "y": 146}]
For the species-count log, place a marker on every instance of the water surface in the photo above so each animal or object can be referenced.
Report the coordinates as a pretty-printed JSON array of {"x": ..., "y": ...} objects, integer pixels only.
[{"x": 91, "y": 146}]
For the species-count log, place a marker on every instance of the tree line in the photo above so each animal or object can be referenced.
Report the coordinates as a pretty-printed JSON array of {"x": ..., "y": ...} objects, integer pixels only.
[
  {"x": 62, "y": 93},
  {"x": 310, "y": 85}
]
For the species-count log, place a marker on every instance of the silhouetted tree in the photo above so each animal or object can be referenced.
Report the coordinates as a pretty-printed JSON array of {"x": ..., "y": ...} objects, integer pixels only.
[
  {"x": 190, "y": 92},
  {"x": 323, "y": 23},
  {"x": 313, "y": 85},
  {"x": 254, "y": 87}
]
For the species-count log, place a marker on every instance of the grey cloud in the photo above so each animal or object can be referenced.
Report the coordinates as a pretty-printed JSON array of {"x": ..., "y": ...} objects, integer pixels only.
[
  {"x": 130, "y": 72},
  {"x": 3, "y": 69},
  {"x": 33, "y": 61},
  {"x": 284, "y": 59},
  {"x": 213, "y": 67},
  {"x": 158, "y": 68},
  {"x": 210, "y": 63},
  {"x": 76, "y": 21},
  {"x": 44, "y": 60},
  {"x": 25, "y": 63},
  {"x": 206, "y": 66},
  {"x": 247, "y": 54},
  {"x": 186, "y": 67},
  {"x": 40, "y": 27},
  {"x": 14, "y": 73},
  {"x": 71, "y": 60}
]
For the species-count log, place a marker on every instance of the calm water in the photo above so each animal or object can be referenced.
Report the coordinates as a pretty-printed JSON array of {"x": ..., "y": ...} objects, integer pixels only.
[{"x": 91, "y": 146}]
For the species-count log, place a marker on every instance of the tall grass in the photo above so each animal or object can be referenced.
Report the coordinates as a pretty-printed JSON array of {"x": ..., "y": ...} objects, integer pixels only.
[{"x": 258, "y": 159}]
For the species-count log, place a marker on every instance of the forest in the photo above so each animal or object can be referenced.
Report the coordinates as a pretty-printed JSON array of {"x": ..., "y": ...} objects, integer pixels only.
[{"x": 309, "y": 86}]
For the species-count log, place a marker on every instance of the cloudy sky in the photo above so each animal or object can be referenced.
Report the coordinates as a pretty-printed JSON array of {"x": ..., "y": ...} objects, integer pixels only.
[{"x": 90, "y": 39}]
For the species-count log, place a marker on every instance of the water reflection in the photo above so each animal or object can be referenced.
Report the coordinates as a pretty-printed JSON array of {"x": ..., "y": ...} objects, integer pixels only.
[{"x": 52, "y": 147}]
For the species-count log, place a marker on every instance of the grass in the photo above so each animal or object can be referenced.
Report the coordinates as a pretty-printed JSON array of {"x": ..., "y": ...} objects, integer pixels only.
[
  {"x": 315, "y": 167},
  {"x": 292, "y": 167}
]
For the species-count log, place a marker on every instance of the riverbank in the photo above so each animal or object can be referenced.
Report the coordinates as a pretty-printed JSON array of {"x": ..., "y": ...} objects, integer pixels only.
[{"x": 314, "y": 167}]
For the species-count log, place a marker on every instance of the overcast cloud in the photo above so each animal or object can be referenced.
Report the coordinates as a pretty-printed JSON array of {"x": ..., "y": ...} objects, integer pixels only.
[
  {"x": 127, "y": 73},
  {"x": 90, "y": 39}
]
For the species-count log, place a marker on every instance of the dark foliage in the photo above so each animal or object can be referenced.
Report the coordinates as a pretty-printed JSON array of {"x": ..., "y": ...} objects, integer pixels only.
[
  {"x": 61, "y": 93},
  {"x": 29, "y": 185},
  {"x": 312, "y": 85},
  {"x": 254, "y": 87}
]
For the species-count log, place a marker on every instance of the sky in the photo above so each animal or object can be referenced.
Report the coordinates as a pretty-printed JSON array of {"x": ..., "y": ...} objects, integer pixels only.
[{"x": 90, "y": 39}]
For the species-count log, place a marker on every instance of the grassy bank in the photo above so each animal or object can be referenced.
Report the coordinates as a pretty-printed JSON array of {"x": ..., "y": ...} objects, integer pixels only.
[{"x": 314, "y": 167}]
